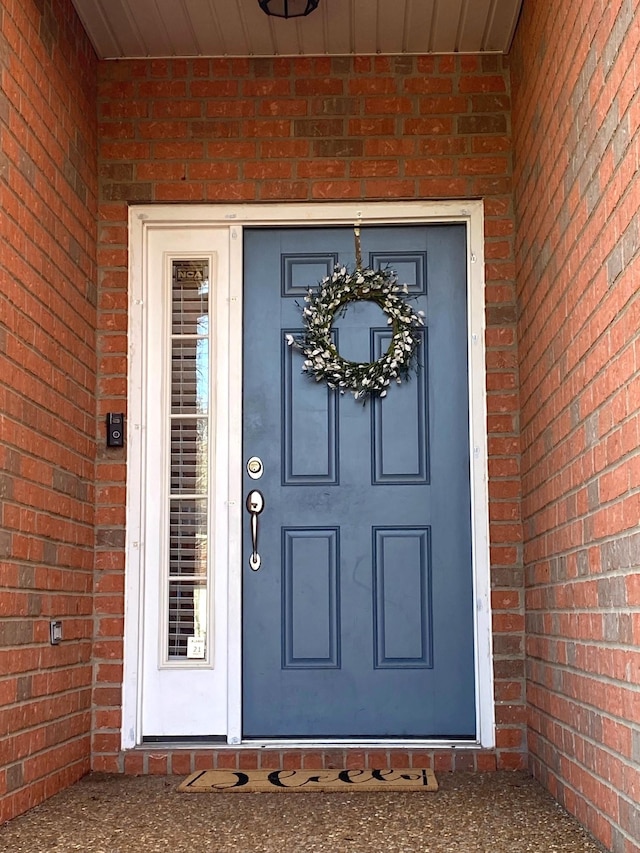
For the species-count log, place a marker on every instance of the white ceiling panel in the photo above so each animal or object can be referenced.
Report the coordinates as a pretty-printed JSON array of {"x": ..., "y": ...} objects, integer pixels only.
[
  {"x": 206, "y": 27},
  {"x": 151, "y": 25},
  {"x": 419, "y": 26},
  {"x": 501, "y": 24},
  {"x": 391, "y": 29},
  {"x": 313, "y": 39},
  {"x": 127, "y": 36},
  {"x": 155, "y": 28},
  {"x": 180, "y": 26},
  {"x": 446, "y": 23},
  {"x": 474, "y": 19},
  {"x": 364, "y": 26},
  {"x": 338, "y": 28}
]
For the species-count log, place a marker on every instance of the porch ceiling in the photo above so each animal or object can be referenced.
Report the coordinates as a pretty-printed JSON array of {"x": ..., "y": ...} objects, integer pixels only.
[{"x": 154, "y": 28}]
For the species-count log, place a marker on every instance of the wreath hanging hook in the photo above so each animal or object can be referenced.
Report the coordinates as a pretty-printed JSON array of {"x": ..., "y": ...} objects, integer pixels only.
[{"x": 356, "y": 235}]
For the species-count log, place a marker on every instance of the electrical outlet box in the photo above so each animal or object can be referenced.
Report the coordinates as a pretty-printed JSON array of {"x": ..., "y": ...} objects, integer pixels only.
[{"x": 55, "y": 632}]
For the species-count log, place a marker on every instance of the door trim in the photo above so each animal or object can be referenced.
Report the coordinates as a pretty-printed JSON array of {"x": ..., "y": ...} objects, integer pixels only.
[{"x": 235, "y": 217}]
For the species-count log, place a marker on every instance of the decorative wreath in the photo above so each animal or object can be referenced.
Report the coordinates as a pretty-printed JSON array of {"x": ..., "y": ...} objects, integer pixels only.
[{"x": 333, "y": 295}]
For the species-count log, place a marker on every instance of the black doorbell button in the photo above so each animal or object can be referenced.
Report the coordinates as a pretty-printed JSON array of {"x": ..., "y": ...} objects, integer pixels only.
[{"x": 115, "y": 429}]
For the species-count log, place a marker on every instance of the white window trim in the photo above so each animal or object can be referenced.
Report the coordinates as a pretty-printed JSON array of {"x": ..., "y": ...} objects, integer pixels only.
[{"x": 235, "y": 217}]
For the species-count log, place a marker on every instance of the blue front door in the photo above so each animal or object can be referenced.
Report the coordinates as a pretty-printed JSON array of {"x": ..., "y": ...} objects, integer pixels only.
[{"x": 359, "y": 621}]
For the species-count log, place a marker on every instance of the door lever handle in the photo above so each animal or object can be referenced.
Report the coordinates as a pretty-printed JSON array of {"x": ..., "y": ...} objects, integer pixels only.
[{"x": 255, "y": 505}]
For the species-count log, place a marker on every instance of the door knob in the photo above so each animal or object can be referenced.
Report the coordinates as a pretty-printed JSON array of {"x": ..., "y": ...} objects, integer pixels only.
[{"x": 255, "y": 505}]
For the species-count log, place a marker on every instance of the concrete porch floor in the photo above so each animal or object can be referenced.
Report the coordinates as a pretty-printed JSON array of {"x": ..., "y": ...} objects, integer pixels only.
[{"x": 488, "y": 812}]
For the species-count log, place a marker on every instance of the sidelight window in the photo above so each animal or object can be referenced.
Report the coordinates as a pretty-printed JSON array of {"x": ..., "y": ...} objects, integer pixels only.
[{"x": 189, "y": 449}]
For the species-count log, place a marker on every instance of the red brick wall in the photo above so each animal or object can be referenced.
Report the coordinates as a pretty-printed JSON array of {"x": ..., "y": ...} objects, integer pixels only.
[
  {"x": 48, "y": 199},
  {"x": 311, "y": 129},
  {"x": 576, "y": 116}
]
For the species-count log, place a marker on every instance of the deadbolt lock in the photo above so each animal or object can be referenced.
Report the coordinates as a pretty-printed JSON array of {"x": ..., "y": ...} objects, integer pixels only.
[{"x": 255, "y": 468}]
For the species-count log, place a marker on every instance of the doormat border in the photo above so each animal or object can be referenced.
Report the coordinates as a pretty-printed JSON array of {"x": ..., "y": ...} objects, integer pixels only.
[{"x": 309, "y": 780}]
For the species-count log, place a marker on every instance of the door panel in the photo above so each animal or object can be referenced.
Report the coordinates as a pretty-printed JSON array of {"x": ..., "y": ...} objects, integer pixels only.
[{"x": 359, "y": 622}]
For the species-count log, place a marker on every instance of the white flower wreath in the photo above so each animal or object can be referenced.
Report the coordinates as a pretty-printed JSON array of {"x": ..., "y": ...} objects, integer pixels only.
[{"x": 324, "y": 362}]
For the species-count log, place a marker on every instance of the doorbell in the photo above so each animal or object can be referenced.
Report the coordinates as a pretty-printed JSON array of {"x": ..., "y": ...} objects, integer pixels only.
[{"x": 115, "y": 429}]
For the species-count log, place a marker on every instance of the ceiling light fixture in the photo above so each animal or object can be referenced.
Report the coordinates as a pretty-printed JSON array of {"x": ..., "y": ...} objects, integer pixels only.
[{"x": 288, "y": 8}]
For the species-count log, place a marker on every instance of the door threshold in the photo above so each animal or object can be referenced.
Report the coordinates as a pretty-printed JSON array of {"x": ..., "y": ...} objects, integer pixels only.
[
  {"x": 374, "y": 743},
  {"x": 219, "y": 743}
]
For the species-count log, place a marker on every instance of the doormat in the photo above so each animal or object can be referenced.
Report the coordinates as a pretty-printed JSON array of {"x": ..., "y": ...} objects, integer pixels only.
[{"x": 300, "y": 781}]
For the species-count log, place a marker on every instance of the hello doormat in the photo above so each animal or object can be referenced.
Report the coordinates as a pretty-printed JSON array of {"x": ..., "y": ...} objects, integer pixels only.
[{"x": 282, "y": 781}]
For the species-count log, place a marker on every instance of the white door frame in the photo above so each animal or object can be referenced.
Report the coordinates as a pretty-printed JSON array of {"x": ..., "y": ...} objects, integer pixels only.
[{"x": 235, "y": 217}]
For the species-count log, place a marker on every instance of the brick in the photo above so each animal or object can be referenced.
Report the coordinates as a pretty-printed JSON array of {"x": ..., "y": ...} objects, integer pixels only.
[
  {"x": 230, "y": 109},
  {"x": 335, "y": 106},
  {"x": 482, "y": 83},
  {"x": 215, "y": 129},
  {"x": 430, "y": 166},
  {"x": 372, "y": 86},
  {"x": 239, "y": 150},
  {"x": 291, "y": 759},
  {"x": 132, "y": 192},
  {"x": 434, "y": 125},
  {"x": 442, "y": 187},
  {"x": 282, "y": 107},
  {"x": 443, "y": 762},
  {"x": 312, "y": 86},
  {"x": 266, "y": 88},
  {"x": 163, "y": 89},
  {"x": 181, "y": 763},
  {"x": 493, "y": 124},
  {"x": 176, "y": 109},
  {"x": 373, "y": 168},
  {"x": 134, "y": 763},
  {"x": 441, "y": 104},
  {"x": 178, "y": 151},
  {"x": 266, "y": 129},
  {"x": 323, "y": 128},
  {"x": 388, "y": 106},
  {"x": 372, "y": 127},
  {"x": 203, "y": 761},
  {"x": 321, "y": 169},
  {"x": 212, "y": 171},
  {"x": 158, "y": 764},
  {"x": 484, "y": 166},
  {"x": 399, "y": 757},
  {"x": 230, "y": 191},
  {"x": 163, "y": 129},
  {"x": 312, "y": 759},
  {"x": 490, "y": 144},
  {"x": 294, "y": 148},
  {"x": 214, "y": 89},
  {"x": 338, "y": 148},
  {"x": 355, "y": 759},
  {"x": 283, "y": 189},
  {"x": 227, "y": 760},
  {"x": 428, "y": 84},
  {"x": 334, "y": 759},
  {"x": 183, "y": 191},
  {"x": 268, "y": 169},
  {"x": 382, "y": 147},
  {"x": 249, "y": 759},
  {"x": 270, "y": 759},
  {"x": 335, "y": 189}
]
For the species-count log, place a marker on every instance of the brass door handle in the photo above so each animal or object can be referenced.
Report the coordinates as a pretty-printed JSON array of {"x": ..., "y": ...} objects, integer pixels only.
[{"x": 255, "y": 505}]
